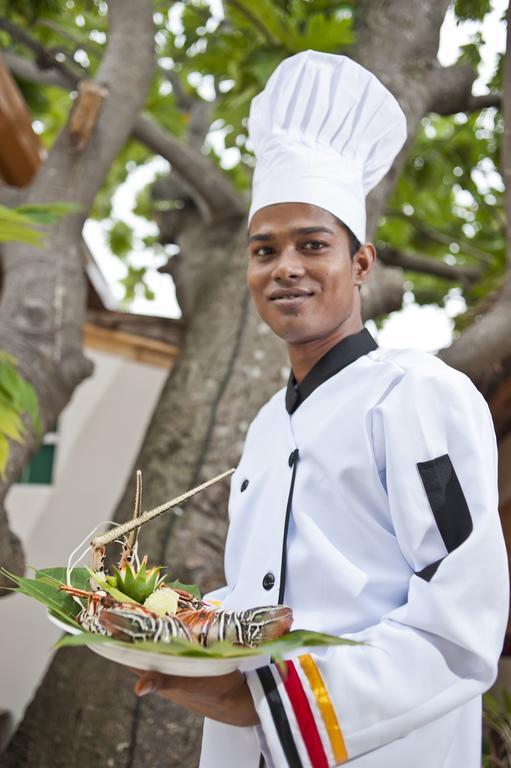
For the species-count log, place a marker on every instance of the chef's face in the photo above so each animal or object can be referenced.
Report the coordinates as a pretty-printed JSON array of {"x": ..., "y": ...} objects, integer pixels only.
[{"x": 302, "y": 278}]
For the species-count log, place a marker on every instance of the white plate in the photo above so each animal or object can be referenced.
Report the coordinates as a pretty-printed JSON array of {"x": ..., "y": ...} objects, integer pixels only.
[{"x": 185, "y": 666}]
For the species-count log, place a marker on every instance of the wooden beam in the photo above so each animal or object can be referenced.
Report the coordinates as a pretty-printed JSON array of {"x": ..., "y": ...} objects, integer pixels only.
[{"x": 131, "y": 346}]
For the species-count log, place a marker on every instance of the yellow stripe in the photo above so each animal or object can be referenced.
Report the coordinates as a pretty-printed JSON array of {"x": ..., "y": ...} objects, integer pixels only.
[{"x": 326, "y": 708}]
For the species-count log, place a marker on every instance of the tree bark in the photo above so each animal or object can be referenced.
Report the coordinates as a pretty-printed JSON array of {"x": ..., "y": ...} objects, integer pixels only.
[
  {"x": 229, "y": 365},
  {"x": 43, "y": 297}
]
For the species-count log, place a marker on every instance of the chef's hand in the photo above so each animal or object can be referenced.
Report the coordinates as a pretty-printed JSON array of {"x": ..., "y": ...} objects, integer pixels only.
[{"x": 225, "y": 698}]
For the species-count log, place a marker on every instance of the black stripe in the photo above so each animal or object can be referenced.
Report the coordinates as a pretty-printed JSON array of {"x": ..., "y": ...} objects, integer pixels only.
[
  {"x": 429, "y": 571},
  {"x": 283, "y": 560},
  {"x": 279, "y": 716},
  {"x": 342, "y": 354},
  {"x": 282, "y": 589},
  {"x": 448, "y": 504}
]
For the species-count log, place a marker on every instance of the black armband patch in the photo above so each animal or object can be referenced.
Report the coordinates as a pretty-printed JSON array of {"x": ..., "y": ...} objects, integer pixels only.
[{"x": 448, "y": 505}]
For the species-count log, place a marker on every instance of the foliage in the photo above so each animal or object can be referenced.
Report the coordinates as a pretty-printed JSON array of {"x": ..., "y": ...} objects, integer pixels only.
[
  {"x": 17, "y": 397},
  {"x": 45, "y": 589},
  {"x": 447, "y": 205},
  {"x": 462, "y": 222},
  {"x": 19, "y": 224},
  {"x": 295, "y": 640},
  {"x": 30, "y": 9},
  {"x": 497, "y": 730}
]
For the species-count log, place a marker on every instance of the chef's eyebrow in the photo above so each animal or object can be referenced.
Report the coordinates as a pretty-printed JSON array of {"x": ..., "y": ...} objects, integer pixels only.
[{"x": 266, "y": 236}]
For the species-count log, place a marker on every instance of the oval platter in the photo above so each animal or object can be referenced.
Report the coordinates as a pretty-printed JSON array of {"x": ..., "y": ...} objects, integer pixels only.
[{"x": 184, "y": 666}]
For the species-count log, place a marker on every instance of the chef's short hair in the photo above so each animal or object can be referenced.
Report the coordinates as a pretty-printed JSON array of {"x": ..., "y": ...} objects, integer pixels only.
[{"x": 353, "y": 241}]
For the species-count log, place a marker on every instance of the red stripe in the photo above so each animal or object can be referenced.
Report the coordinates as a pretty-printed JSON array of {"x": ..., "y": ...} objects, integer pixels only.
[{"x": 305, "y": 718}]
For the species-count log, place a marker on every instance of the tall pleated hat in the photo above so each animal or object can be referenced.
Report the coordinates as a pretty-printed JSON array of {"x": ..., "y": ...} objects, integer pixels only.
[{"x": 324, "y": 131}]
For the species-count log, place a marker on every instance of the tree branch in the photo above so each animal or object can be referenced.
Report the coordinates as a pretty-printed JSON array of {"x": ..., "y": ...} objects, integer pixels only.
[
  {"x": 383, "y": 292},
  {"x": 450, "y": 88},
  {"x": 213, "y": 191},
  {"x": 253, "y": 20},
  {"x": 95, "y": 49},
  {"x": 183, "y": 99},
  {"x": 426, "y": 230},
  {"x": 45, "y": 58},
  {"x": 210, "y": 187},
  {"x": 395, "y": 258},
  {"x": 200, "y": 120},
  {"x": 484, "y": 101},
  {"x": 479, "y": 350},
  {"x": 28, "y": 70},
  {"x": 451, "y": 91}
]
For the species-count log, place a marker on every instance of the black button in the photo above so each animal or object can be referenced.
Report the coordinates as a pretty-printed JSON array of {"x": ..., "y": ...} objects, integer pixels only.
[
  {"x": 244, "y": 485},
  {"x": 269, "y": 581},
  {"x": 292, "y": 458}
]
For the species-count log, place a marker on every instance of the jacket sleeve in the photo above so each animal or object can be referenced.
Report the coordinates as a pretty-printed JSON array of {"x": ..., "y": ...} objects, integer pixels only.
[{"x": 435, "y": 454}]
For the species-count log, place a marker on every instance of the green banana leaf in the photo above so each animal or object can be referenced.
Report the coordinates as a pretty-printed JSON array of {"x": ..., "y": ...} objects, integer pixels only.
[{"x": 292, "y": 641}]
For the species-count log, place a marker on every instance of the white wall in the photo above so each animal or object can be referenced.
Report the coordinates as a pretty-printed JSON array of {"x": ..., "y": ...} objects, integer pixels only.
[{"x": 100, "y": 433}]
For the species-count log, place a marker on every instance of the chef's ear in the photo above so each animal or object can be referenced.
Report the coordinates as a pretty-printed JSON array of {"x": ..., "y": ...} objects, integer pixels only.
[{"x": 363, "y": 261}]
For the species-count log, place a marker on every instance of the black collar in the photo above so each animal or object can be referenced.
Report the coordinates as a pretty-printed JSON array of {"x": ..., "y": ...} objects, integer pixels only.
[{"x": 338, "y": 357}]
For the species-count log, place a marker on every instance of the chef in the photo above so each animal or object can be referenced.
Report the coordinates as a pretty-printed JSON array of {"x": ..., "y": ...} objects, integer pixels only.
[{"x": 366, "y": 495}]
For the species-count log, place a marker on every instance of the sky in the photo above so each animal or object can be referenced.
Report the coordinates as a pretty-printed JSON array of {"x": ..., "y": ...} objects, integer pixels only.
[{"x": 425, "y": 327}]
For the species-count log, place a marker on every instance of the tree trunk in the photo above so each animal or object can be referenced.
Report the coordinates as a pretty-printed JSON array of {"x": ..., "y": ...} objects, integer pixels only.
[
  {"x": 43, "y": 297},
  {"x": 229, "y": 365}
]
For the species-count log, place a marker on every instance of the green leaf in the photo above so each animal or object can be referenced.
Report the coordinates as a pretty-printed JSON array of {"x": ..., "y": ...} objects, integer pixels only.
[
  {"x": 30, "y": 404},
  {"x": 472, "y": 9},
  {"x": 17, "y": 396},
  {"x": 48, "y": 213},
  {"x": 85, "y": 638},
  {"x": 333, "y": 33},
  {"x": 270, "y": 21},
  {"x": 56, "y": 576},
  {"x": 120, "y": 239},
  {"x": 10, "y": 423},
  {"x": 115, "y": 593},
  {"x": 4, "y": 453},
  {"x": 60, "y": 603},
  {"x": 18, "y": 224},
  {"x": 293, "y": 641}
]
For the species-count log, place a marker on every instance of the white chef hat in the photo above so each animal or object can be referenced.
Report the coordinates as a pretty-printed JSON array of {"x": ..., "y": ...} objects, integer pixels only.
[{"x": 324, "y": 131}]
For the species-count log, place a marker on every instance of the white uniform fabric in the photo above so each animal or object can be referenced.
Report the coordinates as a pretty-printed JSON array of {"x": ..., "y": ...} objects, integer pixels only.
[
  {"x": 324, "y": 132},
  {"x": 394, "y": 539}
]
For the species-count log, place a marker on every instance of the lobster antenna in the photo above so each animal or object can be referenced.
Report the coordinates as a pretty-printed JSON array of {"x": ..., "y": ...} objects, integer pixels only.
[
  {"x": 130, "y": 541},
  {"x": 145, "y": 517}
]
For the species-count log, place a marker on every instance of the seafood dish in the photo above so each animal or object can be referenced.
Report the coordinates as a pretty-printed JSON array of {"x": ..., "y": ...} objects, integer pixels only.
[{"x": 133, "y": 603}]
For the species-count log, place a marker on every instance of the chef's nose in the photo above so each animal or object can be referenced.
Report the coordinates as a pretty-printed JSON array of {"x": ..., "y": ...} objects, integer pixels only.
[{"x": 289, "y": 264}]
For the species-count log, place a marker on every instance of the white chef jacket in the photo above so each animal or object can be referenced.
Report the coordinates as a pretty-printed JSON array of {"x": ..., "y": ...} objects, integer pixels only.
[{"x": 369, "y": 506}]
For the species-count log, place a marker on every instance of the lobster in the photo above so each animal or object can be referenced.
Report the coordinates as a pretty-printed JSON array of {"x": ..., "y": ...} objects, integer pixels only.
[
  {"x": 131, "y": 622},
  {"x": 191, "y": 619}
]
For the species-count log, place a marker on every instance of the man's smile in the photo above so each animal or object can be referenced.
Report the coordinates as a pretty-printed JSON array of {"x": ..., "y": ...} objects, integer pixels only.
[{"x": 290, "y": 297}]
